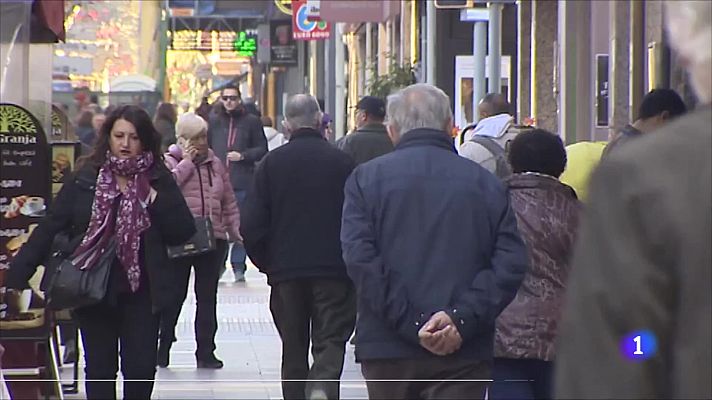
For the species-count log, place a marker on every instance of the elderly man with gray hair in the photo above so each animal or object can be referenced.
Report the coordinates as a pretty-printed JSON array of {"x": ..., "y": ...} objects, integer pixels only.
[
  {"x": 431, "y": 243},
  {"x": 638, "y": 323},
  {"x": 291, "y": 228}
]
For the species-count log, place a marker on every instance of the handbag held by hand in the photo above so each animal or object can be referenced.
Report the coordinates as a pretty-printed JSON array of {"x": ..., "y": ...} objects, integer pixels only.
[{"x": 203, "y": 240}]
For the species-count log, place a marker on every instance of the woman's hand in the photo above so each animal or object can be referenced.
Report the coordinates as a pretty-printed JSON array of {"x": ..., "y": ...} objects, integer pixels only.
[{"x": 190, "y": 153}]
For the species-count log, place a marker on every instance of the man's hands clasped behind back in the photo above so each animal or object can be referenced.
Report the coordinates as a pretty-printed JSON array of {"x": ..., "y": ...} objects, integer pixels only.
[{"x": 440, "y": 335}]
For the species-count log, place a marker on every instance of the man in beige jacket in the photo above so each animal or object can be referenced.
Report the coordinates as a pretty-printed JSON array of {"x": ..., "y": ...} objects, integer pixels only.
[{"x": 644, "y": 260}]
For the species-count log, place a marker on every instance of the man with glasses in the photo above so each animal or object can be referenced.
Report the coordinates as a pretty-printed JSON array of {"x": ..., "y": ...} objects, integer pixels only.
[{"x": 237, "y": 138}]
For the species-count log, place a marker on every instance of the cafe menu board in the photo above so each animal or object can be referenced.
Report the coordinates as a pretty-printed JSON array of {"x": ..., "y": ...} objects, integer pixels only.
[
  {"x": 61, "y": 128},
  {"x": 24, "y": 182}
]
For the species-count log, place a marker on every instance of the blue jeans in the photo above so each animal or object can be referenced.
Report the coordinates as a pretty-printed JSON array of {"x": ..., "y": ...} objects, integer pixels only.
[{"x": 237, "y": 254}]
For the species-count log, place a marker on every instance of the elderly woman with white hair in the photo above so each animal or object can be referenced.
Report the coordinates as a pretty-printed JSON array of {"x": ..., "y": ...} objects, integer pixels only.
[
  {"x": 638, "y": 319},
  {"x": 205, "y": 183}
]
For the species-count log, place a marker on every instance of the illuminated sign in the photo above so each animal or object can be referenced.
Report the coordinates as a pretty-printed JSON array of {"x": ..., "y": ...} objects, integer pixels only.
[
  {"x": 245, "y": 45},
  {"x": 284, "y": 6}
]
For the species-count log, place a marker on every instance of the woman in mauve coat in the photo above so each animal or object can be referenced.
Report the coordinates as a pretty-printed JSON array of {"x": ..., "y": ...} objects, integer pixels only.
[
  {"x": 205, "y": 183},
  {"x": 547, "y": 214}
]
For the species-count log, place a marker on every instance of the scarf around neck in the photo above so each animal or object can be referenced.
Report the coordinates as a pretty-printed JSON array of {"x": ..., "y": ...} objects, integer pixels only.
[{"x": 127, "y": 220}]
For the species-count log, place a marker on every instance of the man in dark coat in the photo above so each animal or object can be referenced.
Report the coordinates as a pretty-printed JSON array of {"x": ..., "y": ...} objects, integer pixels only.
[
  {"x": 291, "y": 223},
  {"x": 238, "y": 139},
  {"x": 431, "y": 243},
  {"x": 638, "y": 320},
  {"x": 370, "y": 139}
]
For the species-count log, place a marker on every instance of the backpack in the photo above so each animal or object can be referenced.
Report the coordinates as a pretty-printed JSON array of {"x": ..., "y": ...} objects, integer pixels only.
[{"x": 502, "y": 168}]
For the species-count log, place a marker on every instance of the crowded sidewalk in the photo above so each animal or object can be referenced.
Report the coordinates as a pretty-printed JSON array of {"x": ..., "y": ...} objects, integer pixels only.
[{"x": 248, "y": 343}]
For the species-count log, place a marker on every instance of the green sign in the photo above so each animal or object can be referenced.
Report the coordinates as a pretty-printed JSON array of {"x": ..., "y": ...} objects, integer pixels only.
[{"x": 245, "y": 45}]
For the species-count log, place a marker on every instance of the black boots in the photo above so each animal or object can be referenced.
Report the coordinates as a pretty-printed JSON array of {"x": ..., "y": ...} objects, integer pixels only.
[
  {"x": 209, "y": 362},
  {"x": 164, "y": 350}
]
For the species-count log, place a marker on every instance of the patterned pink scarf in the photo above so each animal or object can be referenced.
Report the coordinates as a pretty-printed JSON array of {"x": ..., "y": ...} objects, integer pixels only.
[{"x": 128, "y": 221}]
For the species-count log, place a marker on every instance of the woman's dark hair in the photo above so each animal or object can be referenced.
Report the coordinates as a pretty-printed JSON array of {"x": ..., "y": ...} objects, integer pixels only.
[
  {"x": 84, "y": 119},
  {"x": 139, "y": 118},
  {"x": 166, "y": 111},
  {"x": 537, "y": 151}
]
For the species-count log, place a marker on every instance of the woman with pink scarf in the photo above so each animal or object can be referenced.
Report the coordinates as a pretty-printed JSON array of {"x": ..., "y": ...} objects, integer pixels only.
[
  {"x": 205, "y": 183},
  {"x": 121, "y": 191}
]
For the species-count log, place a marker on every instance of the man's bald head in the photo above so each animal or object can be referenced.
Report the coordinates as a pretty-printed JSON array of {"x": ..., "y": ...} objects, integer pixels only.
[{"x": 493, "y": 104}]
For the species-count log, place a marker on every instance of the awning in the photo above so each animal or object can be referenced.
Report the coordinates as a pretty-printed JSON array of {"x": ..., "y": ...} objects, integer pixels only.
[
  {"x": 359, "y": 11},
  {"x": 47, "y": 21}
]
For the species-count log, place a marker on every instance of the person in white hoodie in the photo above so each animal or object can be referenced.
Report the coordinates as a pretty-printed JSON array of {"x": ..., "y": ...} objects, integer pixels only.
[
  {"x": 486, "y": 142},
  {"x": 274, "y": 137}
]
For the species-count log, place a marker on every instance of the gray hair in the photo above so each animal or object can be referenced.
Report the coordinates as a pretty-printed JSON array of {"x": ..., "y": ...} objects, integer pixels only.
[
  {"x": 189, "y": 125},
  {"x": 690, "y": 26},
  {"x": 418, "y": 106},
  {"x": 302, "y": 111}
]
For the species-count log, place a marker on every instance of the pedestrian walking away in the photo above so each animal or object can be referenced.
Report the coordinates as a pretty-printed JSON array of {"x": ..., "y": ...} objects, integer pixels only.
[
  {"x": 432, "y": 245},
  {"x": 291, "y": 227}
]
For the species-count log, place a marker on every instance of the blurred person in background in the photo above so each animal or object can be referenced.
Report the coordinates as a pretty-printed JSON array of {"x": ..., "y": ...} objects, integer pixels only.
[
  {"x": 547, "y": 213},
  {"x": 659, "y": 106},
  {"x": 370, "y": 139},
  {"x": 238, "y": 139},
  {"x": 205, "y": 183},
  {"x": 165, "y": 122},
  {"x": 291, "y": 225},
  {"x": 431, "y": 244},
  {"x": 274, "y": 137},
  {"x": 581, "y": 160},
  {"x": 642, "y": 268},
  {"x": 121, "y": 192},
  {"x": 85, "y": 129}
]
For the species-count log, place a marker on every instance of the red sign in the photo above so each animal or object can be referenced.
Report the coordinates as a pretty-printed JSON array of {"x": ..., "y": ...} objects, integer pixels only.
[{"x": 304, "y": 27}]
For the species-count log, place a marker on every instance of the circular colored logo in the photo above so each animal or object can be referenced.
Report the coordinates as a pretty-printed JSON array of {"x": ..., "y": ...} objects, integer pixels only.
[
  {"x": 639, "y": 345},
  {"x": 302, "y": 20}
]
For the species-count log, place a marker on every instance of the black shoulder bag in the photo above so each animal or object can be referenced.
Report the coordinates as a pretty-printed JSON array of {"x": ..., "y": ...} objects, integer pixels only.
[
  {"x": 71, "y": 287},
  {"x": 203, "y": 240}
]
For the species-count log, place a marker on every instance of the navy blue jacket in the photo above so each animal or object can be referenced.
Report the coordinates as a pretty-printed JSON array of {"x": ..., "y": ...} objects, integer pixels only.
[
  {"x": 425, "y": 230},
  {"x": 291, "y": 219}
]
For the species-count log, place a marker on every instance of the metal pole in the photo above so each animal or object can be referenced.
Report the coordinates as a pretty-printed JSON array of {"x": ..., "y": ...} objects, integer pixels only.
[
  {"x": 369, "y": 53},
  {"x": 430, "y": 31},
  {"x": 340, "y": 108},
  {"x": 479, "y": 51},
  {"x": 495, "y": 48}
]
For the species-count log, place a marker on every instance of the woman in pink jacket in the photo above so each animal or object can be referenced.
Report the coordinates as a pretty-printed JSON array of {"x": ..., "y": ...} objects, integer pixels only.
[{"x": 196, "y": 170}]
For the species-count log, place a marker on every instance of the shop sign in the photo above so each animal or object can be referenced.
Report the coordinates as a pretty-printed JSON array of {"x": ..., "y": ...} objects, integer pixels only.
[
  {"x": 24, "y": 181},
  {"x": 245, "y": 45},
  {"x": 305, "y": 27},
  {"x": 283, "y": 48}
]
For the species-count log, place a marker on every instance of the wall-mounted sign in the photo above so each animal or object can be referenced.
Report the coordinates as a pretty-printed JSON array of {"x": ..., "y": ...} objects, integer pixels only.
[
  {"x": 218, "y": 40},
  {"x": 304, "y": 27},
  {"x": 285, "y": 6},
  {"x": 245, "y": 45},
  {"x": 24, "y": 180},
  {"x": 283, "y": 49}
]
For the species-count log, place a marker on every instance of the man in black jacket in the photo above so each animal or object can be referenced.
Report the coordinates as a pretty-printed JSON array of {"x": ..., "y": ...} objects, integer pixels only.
[
  {"x": 432, "y": 245},
  {"x": 291, "y": 224},
  {"x": 371, "y": 138},
  {"x": 238, "y": 139}
]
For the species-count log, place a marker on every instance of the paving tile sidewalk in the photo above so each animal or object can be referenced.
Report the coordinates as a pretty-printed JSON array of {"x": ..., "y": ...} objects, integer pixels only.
[{"x": 248, "y": 343}]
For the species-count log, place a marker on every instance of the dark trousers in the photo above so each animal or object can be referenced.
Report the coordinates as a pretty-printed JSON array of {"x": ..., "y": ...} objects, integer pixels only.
[
  {"x": 430, "y": 378},
  {"x": 325, "y": 311},
  {"x": 238, "y": 254},
  {"x": 521, "y": 379},
  {"x": 129, "y": 325},
  {"x": 207, "y": 270}
]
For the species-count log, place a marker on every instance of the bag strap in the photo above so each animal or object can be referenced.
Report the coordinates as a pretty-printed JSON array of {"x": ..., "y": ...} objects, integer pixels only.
[
  {"x": 490, "y": 144},
  {"x": 202, "y": 196}
]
